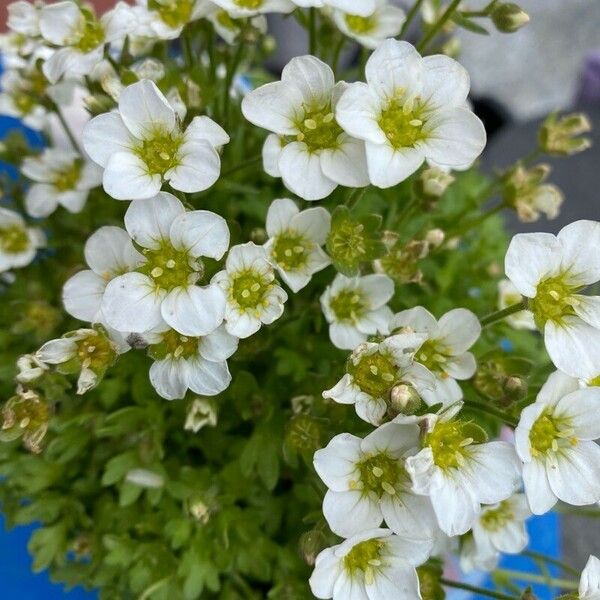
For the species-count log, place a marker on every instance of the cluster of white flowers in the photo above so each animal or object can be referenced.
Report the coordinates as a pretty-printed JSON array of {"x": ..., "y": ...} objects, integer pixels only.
[{"x": 171, "y": 282}]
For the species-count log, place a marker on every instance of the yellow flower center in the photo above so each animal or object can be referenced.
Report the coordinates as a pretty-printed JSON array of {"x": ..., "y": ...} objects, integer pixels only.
[
  {"x": 174, "y": 345},
  {"x": 250, "y": 287},
  {"x": 96, "y": 352},
  {"x": 402, "y": 121},
  {"x": 68, "y": 178},
  {"x": 170, "y": 268},
  {"x": 360, "y": 24},
  {"x": 318, "y": 128},
  {"x": 250, "y": 4},
  {"x": 495, "y": 519},
  {"x": 91, "y": 33},
  {"x": 381, "y": 474},
  {"x": 173, "y": 12},
  {"x": 553, "y": 301},
  {"x": 348, "y": 305},
  {"x": 160, "y": 151},
  {"x": 549, "y": 434},
  {"x": 13, "y": 239},
  {"x": 291, "y": 250},
  {"x": 449, "y": 442},
  {"x": 375, "y": 374},
  {"x": 434, "y": 356},
  {"x": 364, "y": 558}
]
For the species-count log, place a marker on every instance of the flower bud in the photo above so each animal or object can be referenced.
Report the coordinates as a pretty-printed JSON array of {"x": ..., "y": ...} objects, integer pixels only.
[
  {"x": 435, "y": 237},
  {"x": 30, "y": 368},
  {"x": 258, "y": 235},
  {"x": 525, "y": 191},
  {"x": 25, "y": 415},
  {"x": 429, "y": 582},
  {"x": 98, "y": 104},
  {"x": 404, "y": 399},
  {"x": 401, "y": 261},
  {"x": 311, "y": 543},
  {"x": 561, "y": 136},
  {"x": 304, "y": 433},
  {"x": 199, "y": 510},
  {"x": 508, "y": 17},
  {"x": 201, "y": 413},
  {"x": 433, "y": 182}
]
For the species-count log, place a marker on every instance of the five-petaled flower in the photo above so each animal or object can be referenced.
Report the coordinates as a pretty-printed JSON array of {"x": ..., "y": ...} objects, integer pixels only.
[{"x": 142, "y": 146}]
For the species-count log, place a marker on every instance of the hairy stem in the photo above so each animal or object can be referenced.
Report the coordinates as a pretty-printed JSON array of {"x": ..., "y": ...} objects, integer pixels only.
[
  {"x": 414, "y": 9},
  {"x": 437, "y": 27},
  {"x": 477, "y": 590},
  {"x": 502, "y": 314},
  {"x": 491, "y": 410}
]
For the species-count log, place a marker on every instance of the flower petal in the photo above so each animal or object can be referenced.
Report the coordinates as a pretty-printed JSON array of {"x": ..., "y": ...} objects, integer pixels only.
[
  {"x": 313, "y": 78},
  {"x": 314, "y": 223},
  {"x": 126, "y": 177},
  {"x": 82, "y": 295},
  {"x": 104, "y": 136},
  {"x": 459, "y": 329},
  {"x": 540, "y": 496},
  {"x": 336, "y": 463},
  {"x": 145, "y": 110},
  {"x": 580, "y": 242},
  {"x": 350, "y": 512},
  {"x": 204, "y": 128},
  {"x": 168, "y": 377},
  {"x": 208, "y": 378},
  {"x": 358, "y": 111},
  {"x": 109, "y": 251},
  {"x": 389, "y": 166},
  {"x": 201, "y": 233},
  {"x": 193, "y": 310},
  {"x": 149, "y": 221},
  {"x": 131, "y": 302},
  {"x": 218, "y": 345},
  {"x": 445, "y": 82},
  {"x": 199, "y": 167},
  {"x": 347, "y": 163},
  {"x": 279, "y": 215}
]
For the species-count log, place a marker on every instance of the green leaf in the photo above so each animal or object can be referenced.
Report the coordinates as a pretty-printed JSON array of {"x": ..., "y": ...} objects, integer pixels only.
[
  {"x": 47, "y": 545},
  {"x": 469, "y": 24}
]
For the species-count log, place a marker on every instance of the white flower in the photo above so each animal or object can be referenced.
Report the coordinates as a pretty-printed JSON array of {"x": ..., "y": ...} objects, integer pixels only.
[
  {"x": 372, "y": 30},
  {"x": 197, "y": 363},
  {"x": 142, "y": 146},
  {"x": 18, "y": 243},
  {"x": 362, "y": 8},
  {"x": 20, "y": 98},
  {"x": 252, "y": 295},
  {"x": 87, "y": 351},
  {"x": 295, "y": 240},
  {"x": 589, "y": 584},
  {"x": 164, "y": 19},
  {"x": 250, "y": 8},
  {"x": 373, "y": 565},
  {"x": 308, "y": 149},
  {"x": 108, "y": 252},
  {"x": 228, "y": 26},
  {"x": 356, "y": 308},
  {"x": 459, "y": 471},
  {"x": 30, "y": 368},
  {"x": 411, "y": 109},
  {"x": 444, "y": 352},
  {"x": 554, "y": 439},
  {"x": 24, "y": 18},
  {"x": 500, "y": 528},
  {"x": 368, "y": 483},
  {"x": 163, "y": 288},
  {"x": 201, "y": 413},
  {"x": 508, "y": 295},
  {"x": 551, "y": 271},
  {"x": 80, "y": 36},
  {"x": 62, "y": 177},
  {"x": 376, "y": 370},
  {"x": 145, "y": 478}
]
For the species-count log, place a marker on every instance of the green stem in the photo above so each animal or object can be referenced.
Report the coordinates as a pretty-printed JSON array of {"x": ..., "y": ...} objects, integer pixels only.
[
  {"x": 488, "y": 409},
  {"x": 437, "y": 27},
  {"x": 564, "y": 584},
  {"x": 312, "y": 31},
  {"x": 553, "y": 561},
  {"x": 337, "y": 53},
  {"x": 502, "y": 314},
  {"x": 473, "y": 13},
  {"x": 477, "y": 590},
  {"x": 66, "y": 127},
  {"x": 186, "y": 49},
  {"x": 231, "y": 70},
  {"x": 410, "y": 15},
  {"x": 155, "y": 586},
  {"x": 407, "y": 210},
  {"x": 243, "y": 165},
  {"x": 460, "y": 231},
  {"x": 355, "y": 197}
]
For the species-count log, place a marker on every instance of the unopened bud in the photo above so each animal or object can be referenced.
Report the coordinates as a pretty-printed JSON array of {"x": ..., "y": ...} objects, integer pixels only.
[
  {"x": 304, "y": 433},
  {"x": 200, "y": 511},
  {"x": 258, "y": 235},
  {"x": 201, "y": 413},
  {"x": 562, "y": 136},
  {"x": 404, "y": 399},
  {"x": 433, "y": 182},
  {"x": 429, "y": 583},
  {"x": 515, "y": 387},
  {"x": 310, "y": 544},
  {"x": 435, "y": 237},
  {"x": 508, "y": 17},
  {"x": 98, "y": 104}
]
